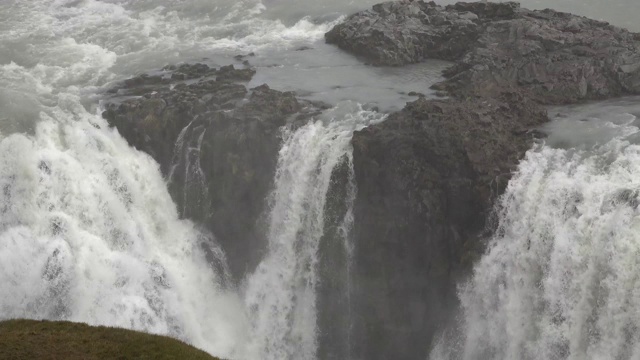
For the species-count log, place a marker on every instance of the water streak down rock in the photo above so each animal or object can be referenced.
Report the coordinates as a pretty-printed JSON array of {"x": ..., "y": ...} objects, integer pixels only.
[{"x": 238, "y": 136}]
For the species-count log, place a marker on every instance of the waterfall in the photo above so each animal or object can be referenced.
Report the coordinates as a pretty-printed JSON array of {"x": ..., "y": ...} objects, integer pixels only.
[
  {"x": 281, "y": 294},
  {"x": 88, "y": 232},
  {"x": 561, "y": 277},
  {"x": 192, "y": 196}
]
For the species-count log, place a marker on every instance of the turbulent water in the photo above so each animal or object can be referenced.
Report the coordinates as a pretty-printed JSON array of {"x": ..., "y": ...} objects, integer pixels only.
[
  {"x": 561, "y": 278},
  {"x": 281, "y": 295},
  {"x": 88, "y": 231}
]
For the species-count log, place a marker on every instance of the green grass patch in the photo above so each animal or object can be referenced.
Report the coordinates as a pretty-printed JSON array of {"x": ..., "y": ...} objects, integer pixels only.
[{"x": 61, "y": 340}]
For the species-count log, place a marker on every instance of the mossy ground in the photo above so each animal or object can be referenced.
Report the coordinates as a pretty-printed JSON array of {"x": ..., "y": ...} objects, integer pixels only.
[{"x": 30, "y": 339}]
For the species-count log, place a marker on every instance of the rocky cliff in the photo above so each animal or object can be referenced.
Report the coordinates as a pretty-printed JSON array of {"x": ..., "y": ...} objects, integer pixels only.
[
  {"x": 428, "y": 175},
  {"x": 217, "y": 143},
  {"x": 426, "y": 179}
]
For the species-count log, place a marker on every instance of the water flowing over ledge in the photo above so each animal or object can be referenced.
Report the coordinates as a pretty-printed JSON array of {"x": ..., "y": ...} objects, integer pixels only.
[
  {"x": 89, "y": 232},
  {"x": 560, "y": 277},
  {"x": 282, "y": 293}
]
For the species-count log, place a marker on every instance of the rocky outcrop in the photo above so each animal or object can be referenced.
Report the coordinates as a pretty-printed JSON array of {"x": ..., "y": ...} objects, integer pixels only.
[
  {"x": 217, "y": 143},
  {"x": 426, "y": 178},
  {"x": 554, "y": 57},
  {"x": 399, "y": 33}
]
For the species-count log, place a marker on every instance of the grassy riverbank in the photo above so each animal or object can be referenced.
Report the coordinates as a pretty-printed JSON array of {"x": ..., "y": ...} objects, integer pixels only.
[{"x": 29, "y": 339}]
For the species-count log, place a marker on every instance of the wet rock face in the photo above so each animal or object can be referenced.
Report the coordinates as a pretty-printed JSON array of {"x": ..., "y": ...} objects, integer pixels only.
[
  {"x": 428, "y": 175},
  {"x": 556, "y": 57},
  {"x": 217, "y": 143},
  {"x": 153, "y": 121},
  {"x": 426, "y": 178}
]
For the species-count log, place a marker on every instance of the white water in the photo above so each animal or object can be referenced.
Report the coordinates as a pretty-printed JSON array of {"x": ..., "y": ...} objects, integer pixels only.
[
  {"x": 561, "y": 279},
  {"x": 281, "y": 294},
  {"x": 187, "y": 161},
  {"x": 88, "y": 231}
]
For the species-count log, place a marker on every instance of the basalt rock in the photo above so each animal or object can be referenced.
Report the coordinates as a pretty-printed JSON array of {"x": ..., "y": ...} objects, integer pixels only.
[
  {"x": 398, "y": 33},
  {"x": 217, "y": 144},
  {"x": 229, "y": 72},
  {"x": 555, "y": 57},
  {"x": 426, "y": 179}
]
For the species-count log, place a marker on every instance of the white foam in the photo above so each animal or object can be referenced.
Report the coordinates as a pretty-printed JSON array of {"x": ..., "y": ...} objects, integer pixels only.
[
  {"x": 88, "y": 232},
  {"x": 281, "y": 294},
  {"x": 560, "y": 280}
]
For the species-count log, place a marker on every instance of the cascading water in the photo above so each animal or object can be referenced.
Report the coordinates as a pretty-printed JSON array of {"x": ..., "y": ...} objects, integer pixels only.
[
  {"x": 560, "y": 277},
  {"x": 89, "y": 233},
  {"x": 187, "y": 170},
  {"x": 281, "y": 294}
]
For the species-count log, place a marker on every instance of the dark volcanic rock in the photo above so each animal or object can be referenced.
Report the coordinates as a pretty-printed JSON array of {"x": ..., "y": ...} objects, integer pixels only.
[
  {"x": 189, "y": 71},
  {"x": 152, "y": 123},
  {"x": 556, "y": 57},
  {"x": 232, "y": 74},
  {"x": 428, "y": 175},
  {"x": 426, "y": 178},
  {"x": 216, "y": 142},
  {"x": 398, "y": 33}
]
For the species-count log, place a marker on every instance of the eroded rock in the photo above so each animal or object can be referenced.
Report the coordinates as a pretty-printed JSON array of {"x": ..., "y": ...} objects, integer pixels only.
[
  {"x": 426, "y": 178},
  {"x": 217, "y": 143},
  {"x": 556, "y": 57},
  {"x": 398, "y": 33}
]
